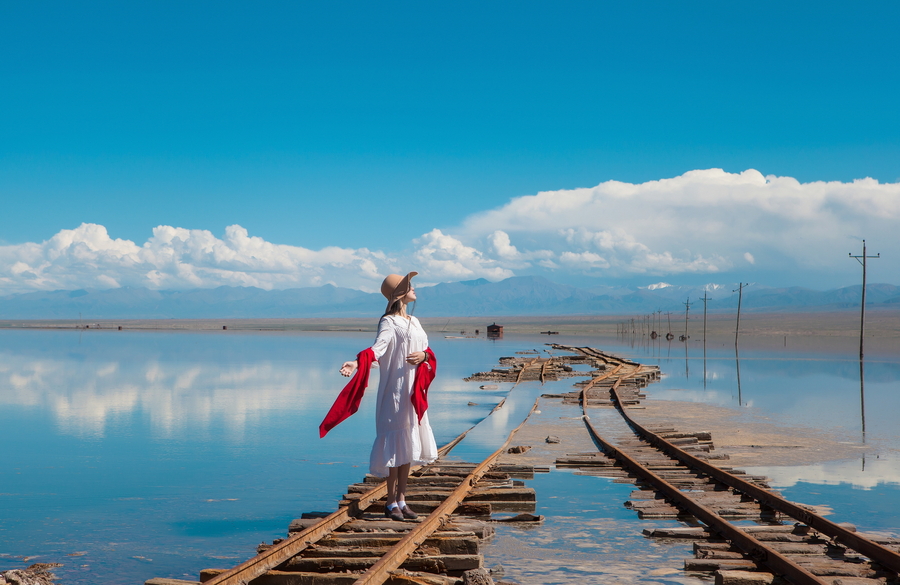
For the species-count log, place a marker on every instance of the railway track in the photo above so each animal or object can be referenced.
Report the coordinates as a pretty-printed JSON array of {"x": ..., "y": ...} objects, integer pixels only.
[
  {"x": 677, "y": 474},
  {"x": 789, "y": 542},
  {"x": 356, "y": 544}
]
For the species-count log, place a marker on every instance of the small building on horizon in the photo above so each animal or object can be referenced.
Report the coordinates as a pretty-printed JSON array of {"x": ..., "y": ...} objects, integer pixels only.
[{"x": 495, "y": 331}]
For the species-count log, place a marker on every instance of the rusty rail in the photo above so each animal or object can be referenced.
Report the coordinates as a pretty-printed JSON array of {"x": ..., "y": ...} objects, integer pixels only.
[
  {"x": 522, "y": 371},
  {"x": 392, "y": 559},
  {"x": 753, "y": 548},
  {"x": 298, "y": 542},
  {"x": 882, "y": 555},
  {"x": 544, "y": 367},
  {"x": 777, "y": 562}
]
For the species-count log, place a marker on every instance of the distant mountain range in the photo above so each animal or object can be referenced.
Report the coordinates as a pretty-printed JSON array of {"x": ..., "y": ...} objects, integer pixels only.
[{"x": 523, "y": 295}]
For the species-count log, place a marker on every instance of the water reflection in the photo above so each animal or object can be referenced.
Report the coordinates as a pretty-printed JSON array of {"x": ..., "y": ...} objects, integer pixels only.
[
  {"x": 882, "y": 470},
  {"x": 207, "y": 441},
  {"x": 85, "y": 398},
  {"x": 811, "y": 389},
  {"x": 862, "y": 400}
]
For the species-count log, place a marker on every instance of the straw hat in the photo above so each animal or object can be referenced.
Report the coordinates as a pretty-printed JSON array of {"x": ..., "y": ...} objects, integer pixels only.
[{"x": 395, "y": 287}]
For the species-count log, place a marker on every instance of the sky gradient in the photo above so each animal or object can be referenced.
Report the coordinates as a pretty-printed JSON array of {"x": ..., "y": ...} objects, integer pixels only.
[{"x": 342, "y": 127}]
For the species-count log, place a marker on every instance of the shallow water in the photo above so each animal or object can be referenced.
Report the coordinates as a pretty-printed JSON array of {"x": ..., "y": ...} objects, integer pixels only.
[
  {"x": 129, "y": 455},
  {"x": 808, "y": 389},
  {"x": 158, "y": 454}
]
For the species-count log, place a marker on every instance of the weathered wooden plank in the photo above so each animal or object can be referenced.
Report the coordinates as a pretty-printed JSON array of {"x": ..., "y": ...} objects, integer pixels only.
[
  {"x": 473, "y": 509},
  {"x": 453, "y": 543},
  {"x": 747, "y": 578},
  {"x": 710, "y": 565},
  {"x": 399, "y": 577},
  {"x": 431, "y": 564},
  {"x": 690, "y": 532},
  {"x": 481, "y": 529}
]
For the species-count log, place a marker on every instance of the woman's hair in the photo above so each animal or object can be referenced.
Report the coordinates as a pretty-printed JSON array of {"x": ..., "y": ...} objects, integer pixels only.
[{"x": 396, "y": 307}]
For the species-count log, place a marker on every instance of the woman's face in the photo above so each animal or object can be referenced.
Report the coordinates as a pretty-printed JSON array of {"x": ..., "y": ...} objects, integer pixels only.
[{"x": 410, "y": 296}]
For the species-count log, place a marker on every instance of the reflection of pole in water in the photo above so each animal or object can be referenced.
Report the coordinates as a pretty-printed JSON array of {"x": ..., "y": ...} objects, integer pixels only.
[
  {"x": 862, "y": 399},
  {"x": 687, "y": 372},
  {"x": 862, "y": 408},
  {"x": 704, "y": 299},
  {"x": 737, "y": 365}
]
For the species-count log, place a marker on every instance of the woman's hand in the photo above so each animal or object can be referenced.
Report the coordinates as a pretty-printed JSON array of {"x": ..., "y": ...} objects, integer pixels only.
[
  {"x": 348, "y": 368},
  {"x": 416, "y": 358}
]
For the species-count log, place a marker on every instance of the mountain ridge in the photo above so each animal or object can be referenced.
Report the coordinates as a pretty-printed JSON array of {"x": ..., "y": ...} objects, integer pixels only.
[{"x": 520, "y": 295}]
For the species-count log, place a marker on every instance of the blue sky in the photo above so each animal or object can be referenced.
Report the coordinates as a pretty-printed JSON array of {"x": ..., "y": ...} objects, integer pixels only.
[{"x": 356, "y": 126}]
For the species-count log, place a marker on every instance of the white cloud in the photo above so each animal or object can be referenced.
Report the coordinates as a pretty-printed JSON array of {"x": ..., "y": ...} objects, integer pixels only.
[
  {"x": 178, "y": 258},
  {"x": 444, "y": 257},
  {"x": 702, "y": 222}
]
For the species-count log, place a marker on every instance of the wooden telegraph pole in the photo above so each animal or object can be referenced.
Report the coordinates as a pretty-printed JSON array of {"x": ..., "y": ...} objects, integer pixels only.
[
  {"x": 687, "y": 309},
  {"x": 737, "y": 327},
  {"x": 862, "y": 315}
]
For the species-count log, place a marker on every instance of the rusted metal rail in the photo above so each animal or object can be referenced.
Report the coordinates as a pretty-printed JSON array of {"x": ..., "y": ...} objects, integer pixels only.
[
  {"x": 777, "y": 562},
  {"x": 884, "y": 556},
  {"x": 296, "y": 543},
  {"x": 524, "y": 368},
  {"x": 381, "y": 570},
  {"x": 754, "y": 549}
]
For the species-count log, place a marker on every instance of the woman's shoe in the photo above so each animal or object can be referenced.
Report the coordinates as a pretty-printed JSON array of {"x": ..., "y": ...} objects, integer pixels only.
[
  {"x": 393, "y": 513},
  {"x": 407, "y": 513}
]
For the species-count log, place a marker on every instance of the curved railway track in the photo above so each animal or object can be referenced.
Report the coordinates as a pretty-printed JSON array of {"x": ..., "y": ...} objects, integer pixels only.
[{"x": 791, "y": 542}]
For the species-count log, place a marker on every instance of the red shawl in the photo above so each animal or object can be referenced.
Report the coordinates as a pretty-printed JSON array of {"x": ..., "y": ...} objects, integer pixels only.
[
  {"x": 347, "y": 402},
  {"x": 424, "y": 375}
]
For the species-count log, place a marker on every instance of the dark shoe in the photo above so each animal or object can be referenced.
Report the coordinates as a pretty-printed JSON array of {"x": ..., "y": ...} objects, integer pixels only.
[
  {"x": 407, "y": 513},
  {"x": 393, "y": 514}
]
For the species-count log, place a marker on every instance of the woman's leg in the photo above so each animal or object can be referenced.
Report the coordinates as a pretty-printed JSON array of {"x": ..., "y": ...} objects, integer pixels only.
[
  {"x": 392, "y": 484},
  {"x": 402, "y": 476}
]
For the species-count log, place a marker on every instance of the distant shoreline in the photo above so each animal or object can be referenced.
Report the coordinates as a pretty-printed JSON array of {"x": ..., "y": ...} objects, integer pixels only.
[{"x": 832, "y": 332}]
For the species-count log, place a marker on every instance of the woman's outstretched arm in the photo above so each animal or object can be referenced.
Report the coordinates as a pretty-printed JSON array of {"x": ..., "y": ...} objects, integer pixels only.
[{"x": 348, "y": 368}]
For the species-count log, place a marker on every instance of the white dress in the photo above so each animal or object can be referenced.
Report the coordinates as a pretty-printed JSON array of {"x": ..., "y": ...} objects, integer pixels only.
[{"x": 400, "y": 438}]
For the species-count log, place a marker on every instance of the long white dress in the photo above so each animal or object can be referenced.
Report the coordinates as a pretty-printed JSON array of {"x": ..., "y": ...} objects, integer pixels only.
[{"x": 400, "y": 438}]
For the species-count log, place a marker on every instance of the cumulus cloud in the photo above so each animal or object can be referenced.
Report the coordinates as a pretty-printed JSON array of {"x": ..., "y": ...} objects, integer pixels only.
[
  {"x": 178, "y": 258},
  {"x": 702, "y": 222},
  {"x": 705, "y": 221},
  {"x": 444, "y": 257}
]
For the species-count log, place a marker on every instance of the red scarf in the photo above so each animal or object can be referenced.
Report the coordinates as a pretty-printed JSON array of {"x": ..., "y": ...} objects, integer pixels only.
[
  {"x": 347, "y": 402},
  {"x": 424, "y": 376}
]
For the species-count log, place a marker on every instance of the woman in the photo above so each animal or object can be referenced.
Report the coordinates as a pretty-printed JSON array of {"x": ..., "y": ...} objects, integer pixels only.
[{"x": 403, "y": 434}]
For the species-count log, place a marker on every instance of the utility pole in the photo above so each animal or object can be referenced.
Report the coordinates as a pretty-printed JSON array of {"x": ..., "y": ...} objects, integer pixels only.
[
  {"x": 737, "y": 327},
  {"x": 705, "y": 299},
  {"x": 862, "y": 317},
  {"x": 687, "y": 310}
]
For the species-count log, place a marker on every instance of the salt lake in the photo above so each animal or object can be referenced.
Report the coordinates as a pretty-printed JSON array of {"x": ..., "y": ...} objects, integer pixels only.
[{"x": 128, "y": 455}]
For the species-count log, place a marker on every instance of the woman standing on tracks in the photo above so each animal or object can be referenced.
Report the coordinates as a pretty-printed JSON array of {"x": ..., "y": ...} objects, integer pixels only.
[{"x": 403, "y": 434}]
